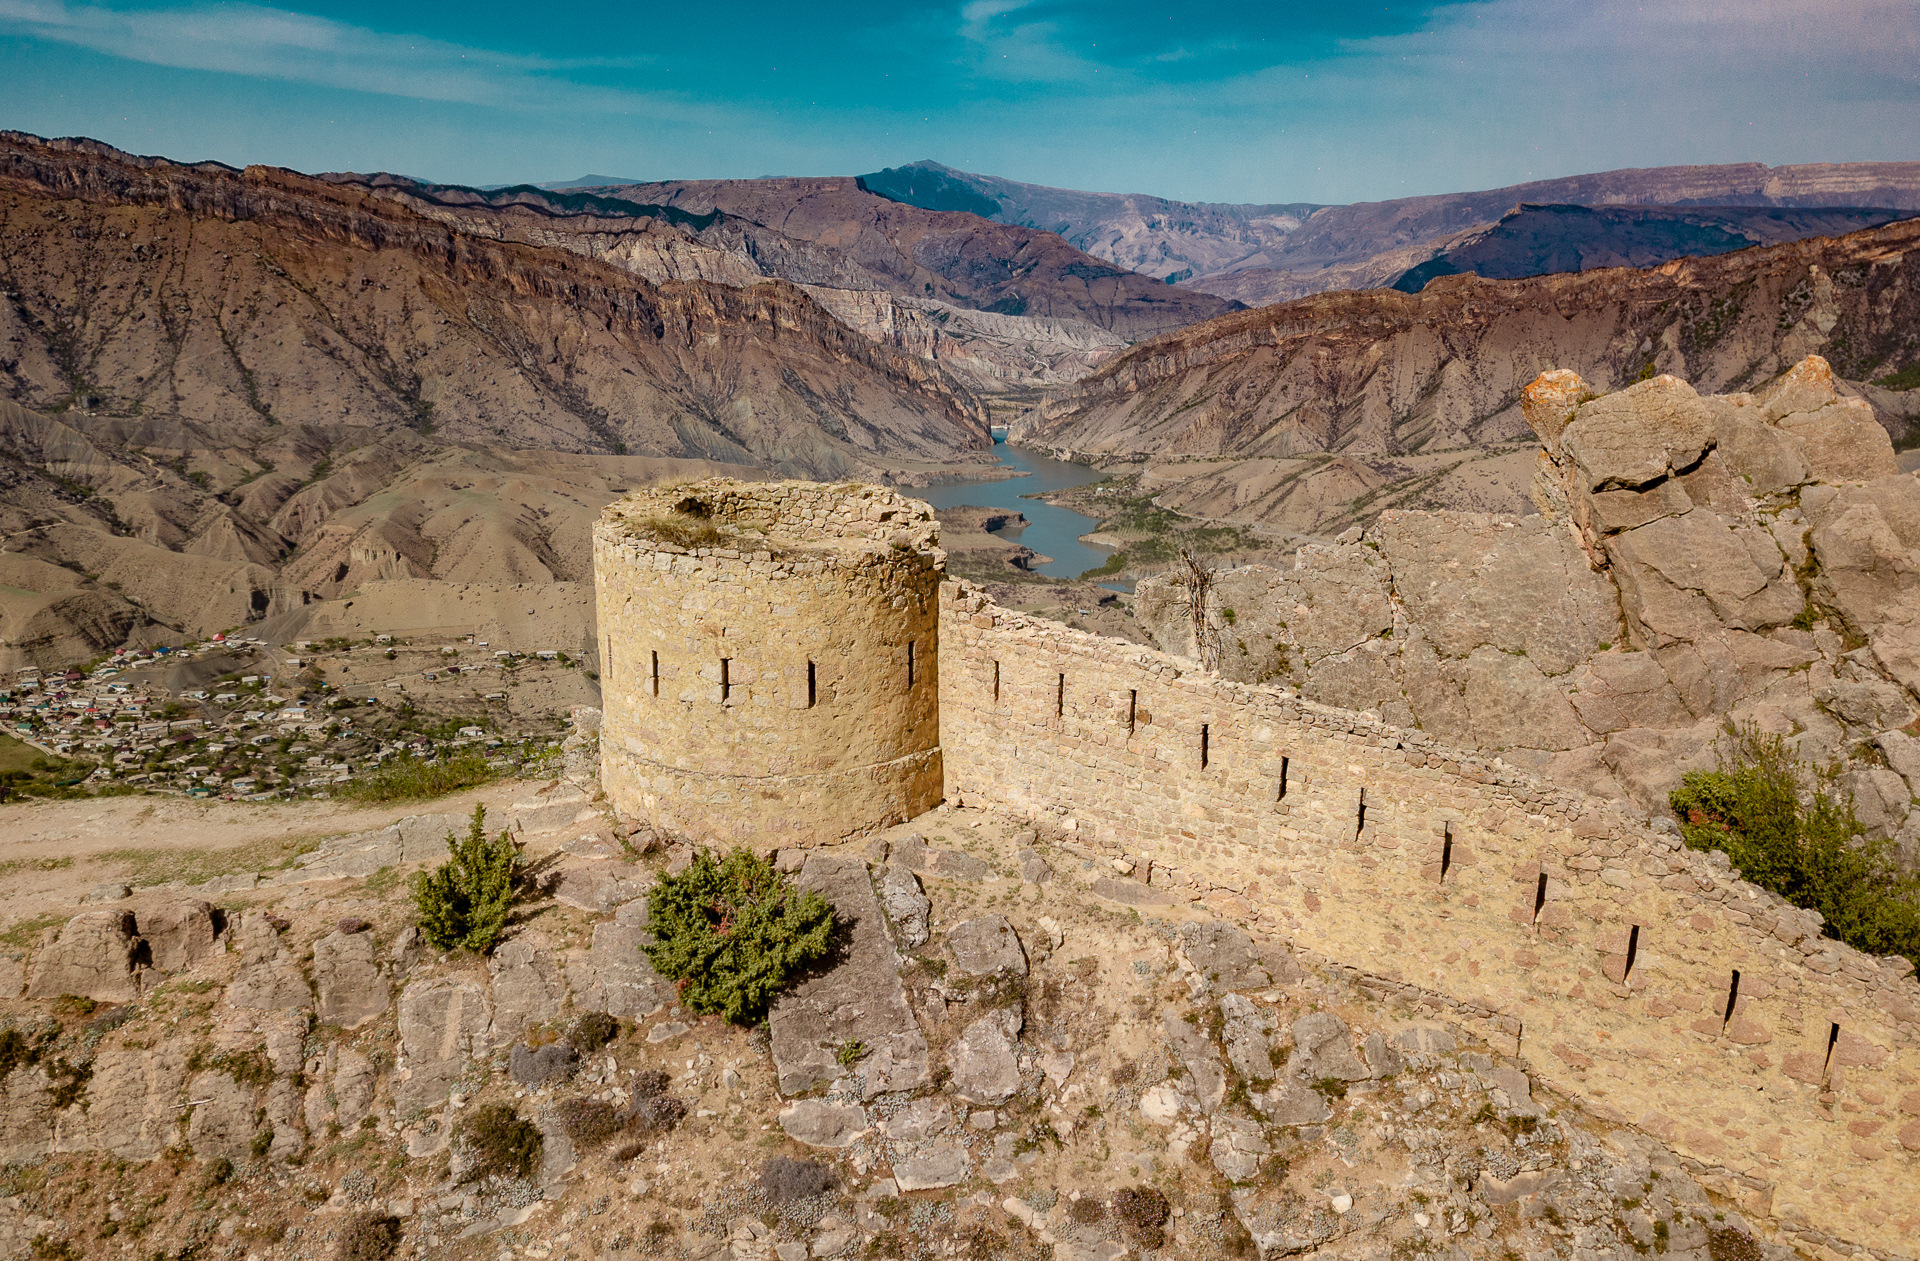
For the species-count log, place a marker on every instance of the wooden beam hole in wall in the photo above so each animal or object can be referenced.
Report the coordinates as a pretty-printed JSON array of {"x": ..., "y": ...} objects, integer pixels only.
[
  {"x": 812, "y": 686},
  {"x": 1539, "y": 898},
  {"x": 1446, "y": 852},
  {"x": 654, "y": 678},
  {"x": 1133, "y": 709},
  {"x": 1633, "y": 952},
  {"x": 1281, "y": 795},
  {"x": 1204, "y": 751},
  {"x": 1733, "y": 997},
  {"x": 726, "y": 679}
]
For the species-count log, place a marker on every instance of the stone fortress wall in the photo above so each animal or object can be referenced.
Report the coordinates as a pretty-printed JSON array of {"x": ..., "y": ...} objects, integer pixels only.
[
  {"x": 771, "y": 673},
  {"x": 1621, "y": 968},
  {"x": 1598, "y": 948}
]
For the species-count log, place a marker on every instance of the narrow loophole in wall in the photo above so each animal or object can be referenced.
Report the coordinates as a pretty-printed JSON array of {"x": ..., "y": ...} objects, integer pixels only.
[
  {"x": 1205, "y": 741},
  {"x": 996, "y": 681},
  {"x": 726, "y": 678},
  {"x": 813, "y": 692},
  {"x": 606, "y": 661},
  {"x": 1060, "y": 698},
  {"x": 1539, "y": 897},
  {"x": 1446, "y": 852},
  {"x": 1281, "y": 795},
  {"x": 1133, "y": 709},
  {"x": 1733, "y": 997},
  {"x": 1360, "y": 816},
  {"x": 1833, "y": 1040},
  {"x": 909, "y": 663},
  {"x": 653, "y": 679},
  {"x": 1633, "y": 952}
]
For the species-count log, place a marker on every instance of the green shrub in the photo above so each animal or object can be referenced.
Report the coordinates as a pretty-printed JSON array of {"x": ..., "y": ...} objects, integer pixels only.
[
  {"x": 411, "y": 778},
  {"x": 465, "y": 901},
  {"x": 1788, "y": 832},
  {"x": 733, "y": 932},
  {"x": 501, "y": 1141}
]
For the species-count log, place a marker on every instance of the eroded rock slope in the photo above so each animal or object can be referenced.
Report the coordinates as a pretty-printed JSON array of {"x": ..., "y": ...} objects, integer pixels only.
[
  {"x": 1696, "y": 560},
  {"x": 1022, "y": 1053}
]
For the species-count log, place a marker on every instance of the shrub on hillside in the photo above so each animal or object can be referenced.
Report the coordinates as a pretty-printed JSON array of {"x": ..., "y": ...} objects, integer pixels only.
[
  {"x": 733, "y": 932},
  {"x": 784, "y": 1178},
  {"x": 465, "y": 901},
  {"x": 592, "y": 1031},
  {"x": 1787, "y": 831},
  {"x": 368, "y": 1236},
  {"x": 1143, "y": 1214},
  {"x": 411, "y": 778},
  {"x": 501, "y": 1141}
]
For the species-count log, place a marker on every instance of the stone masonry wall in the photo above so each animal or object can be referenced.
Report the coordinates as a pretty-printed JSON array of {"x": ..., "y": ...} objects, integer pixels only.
[
  {"x": 1603, "y": 950},
  {"x": 776, "y": 686}
]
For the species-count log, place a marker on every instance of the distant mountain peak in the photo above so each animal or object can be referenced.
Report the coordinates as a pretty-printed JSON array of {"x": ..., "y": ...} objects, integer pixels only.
[{"x": 590, "y": 181}]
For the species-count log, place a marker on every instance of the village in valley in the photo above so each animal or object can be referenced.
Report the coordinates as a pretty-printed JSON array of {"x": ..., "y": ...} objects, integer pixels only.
[{"x": 238, "y": 718}]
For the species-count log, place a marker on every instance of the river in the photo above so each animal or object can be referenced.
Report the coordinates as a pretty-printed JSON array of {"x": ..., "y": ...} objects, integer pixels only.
[{"x": 1054, "y": 531}]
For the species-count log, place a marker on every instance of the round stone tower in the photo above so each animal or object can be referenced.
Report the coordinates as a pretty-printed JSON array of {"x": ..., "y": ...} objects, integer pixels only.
[{"x": 769, "y": 659}]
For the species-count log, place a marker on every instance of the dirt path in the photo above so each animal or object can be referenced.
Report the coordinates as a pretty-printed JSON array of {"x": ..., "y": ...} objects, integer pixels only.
[{"x": 53, "y": 852}]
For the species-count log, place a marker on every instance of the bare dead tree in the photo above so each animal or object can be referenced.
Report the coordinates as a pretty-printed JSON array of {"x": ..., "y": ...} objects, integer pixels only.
[{"x": 1194, "y": 577}]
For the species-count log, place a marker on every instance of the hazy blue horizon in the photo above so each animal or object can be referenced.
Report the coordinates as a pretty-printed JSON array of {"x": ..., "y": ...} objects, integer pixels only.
[{"x": 1212, "y": 101}]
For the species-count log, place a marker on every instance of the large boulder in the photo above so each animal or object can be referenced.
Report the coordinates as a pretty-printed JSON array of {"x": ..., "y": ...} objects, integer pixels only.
[
  {"x": 180, "y": 934},
  {"x": 1323, "y": 1047},
  {"x": 133, "y": 1102},
  {"x": 1837, "y": 438},
  {"x": 984, "y": 1062},
  {"x": 95, "y": 956},
  {"x": 352, "y": 988},
  {"x": 1468, "y": 579},
  {"x": 859, "y": 1000},
  {"x": 269, "y": 977},
  {"x": 987, "y": 945},
  {"x": 443, "y": 1023},
  {"x": 1638, "y": 435},
  {"x": 527, "y": 986},
  {"x": 223, "y": 1118},
  {"x": 615, "y": 976}
]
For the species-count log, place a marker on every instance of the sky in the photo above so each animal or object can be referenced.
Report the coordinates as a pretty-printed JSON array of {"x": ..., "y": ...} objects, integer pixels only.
[{"x": 1201, "y": 100}]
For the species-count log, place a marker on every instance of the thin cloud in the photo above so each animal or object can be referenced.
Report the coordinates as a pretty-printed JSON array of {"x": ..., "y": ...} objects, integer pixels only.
[{"x": 252, "y": 40}]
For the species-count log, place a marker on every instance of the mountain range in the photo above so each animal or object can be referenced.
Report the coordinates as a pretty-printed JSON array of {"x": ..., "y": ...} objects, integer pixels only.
[
  {"x": 232, "y": 393},
  {"x": 1261, "y": 254},
  {"x": 1313, "y": 415}
]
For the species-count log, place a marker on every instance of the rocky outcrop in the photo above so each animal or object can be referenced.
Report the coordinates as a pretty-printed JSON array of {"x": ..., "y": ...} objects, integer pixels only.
[
  {"x": 1696, "y": 559},
  {"x": 97, "y": 955},
  {"x": 860, "y": 1003},
  {"x": 443, "y": 1023}
]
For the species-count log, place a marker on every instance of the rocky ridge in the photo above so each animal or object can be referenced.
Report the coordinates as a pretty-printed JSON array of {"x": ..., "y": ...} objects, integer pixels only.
[
  {"x": 1696, "y": 560},
  {"x": 229, "y": 394}
]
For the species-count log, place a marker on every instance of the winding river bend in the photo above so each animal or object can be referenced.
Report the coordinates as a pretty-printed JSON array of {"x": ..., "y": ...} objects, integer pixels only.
[{"x": 1054, "y": 532}]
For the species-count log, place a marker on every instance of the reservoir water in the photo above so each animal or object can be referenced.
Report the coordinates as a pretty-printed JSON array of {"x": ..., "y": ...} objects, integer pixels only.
[{"x": 1054, "y": 531}]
